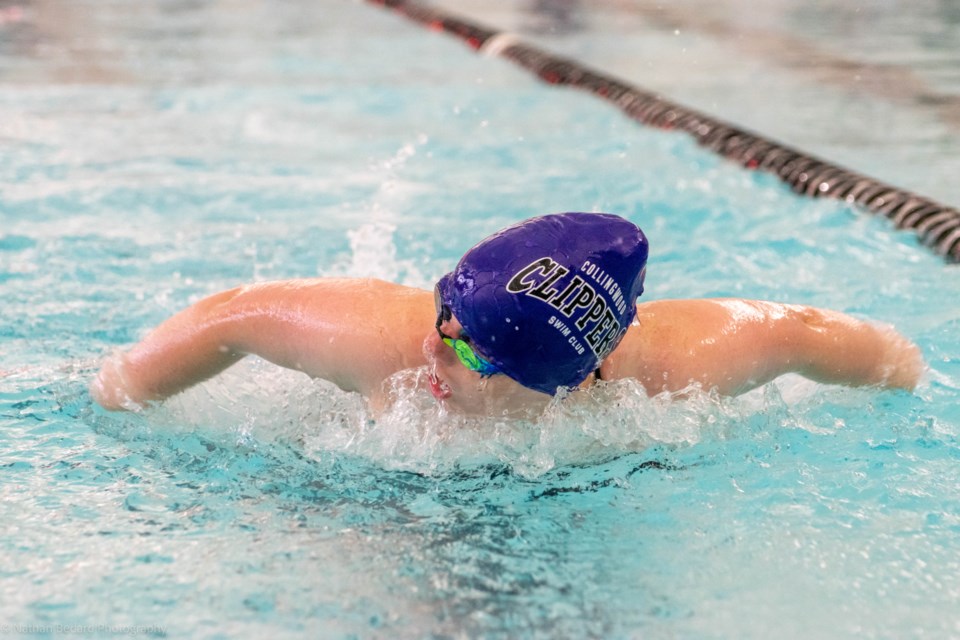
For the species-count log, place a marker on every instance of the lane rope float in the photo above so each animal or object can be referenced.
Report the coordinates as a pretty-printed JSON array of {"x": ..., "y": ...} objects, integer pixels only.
[{"x": 936, "y": 225}]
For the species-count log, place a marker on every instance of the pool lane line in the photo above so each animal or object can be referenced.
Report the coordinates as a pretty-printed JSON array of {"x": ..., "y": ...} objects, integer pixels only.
[{"x": 936, "y": 225}]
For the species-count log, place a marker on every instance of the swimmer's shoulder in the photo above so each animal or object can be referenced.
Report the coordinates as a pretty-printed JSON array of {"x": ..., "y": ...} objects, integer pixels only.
[
  {"x": 355, "y": 332},
  {"x": 657, "y": 340},
  {"x": 373, "y": 304},
  {"x": 357, "y": 294},
  {"x": 366, "y": 308},
  {"x": 640, "y": 354}
]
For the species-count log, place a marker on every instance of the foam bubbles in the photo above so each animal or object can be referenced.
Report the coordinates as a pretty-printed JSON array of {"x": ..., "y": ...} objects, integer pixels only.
[{"x": 255, "y": 402}]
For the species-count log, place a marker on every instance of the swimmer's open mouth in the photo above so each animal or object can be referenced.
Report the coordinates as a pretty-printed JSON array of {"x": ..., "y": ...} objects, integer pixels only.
[{"x": 438, "y": 387}]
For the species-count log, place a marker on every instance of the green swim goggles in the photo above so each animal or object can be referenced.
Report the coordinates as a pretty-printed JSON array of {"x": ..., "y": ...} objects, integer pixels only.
[{"x": 461, "y": 346}]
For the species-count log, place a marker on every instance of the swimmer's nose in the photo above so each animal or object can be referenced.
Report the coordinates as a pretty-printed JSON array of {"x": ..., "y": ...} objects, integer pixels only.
[
  {"x": 432, "y": 346},
  {"x": 434, "y": 350}
]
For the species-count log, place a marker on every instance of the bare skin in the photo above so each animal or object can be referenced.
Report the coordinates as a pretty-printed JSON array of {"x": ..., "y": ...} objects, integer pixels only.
[{"x": 357, "y": 333}]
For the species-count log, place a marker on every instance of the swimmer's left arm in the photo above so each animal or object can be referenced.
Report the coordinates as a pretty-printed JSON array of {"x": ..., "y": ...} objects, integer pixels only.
[
  {"x": 835, "y": 348},
  {"x": 736, "y": 345}
]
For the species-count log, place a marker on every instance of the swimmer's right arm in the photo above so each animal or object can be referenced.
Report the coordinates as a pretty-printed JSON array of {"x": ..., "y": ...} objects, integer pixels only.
[
  {"x": 191, "y": 346},
  {"x": 327, "y": 328}
]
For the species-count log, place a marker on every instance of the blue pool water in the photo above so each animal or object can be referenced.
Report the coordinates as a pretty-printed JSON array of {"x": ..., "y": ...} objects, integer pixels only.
[{"x": 154, "y": 153}]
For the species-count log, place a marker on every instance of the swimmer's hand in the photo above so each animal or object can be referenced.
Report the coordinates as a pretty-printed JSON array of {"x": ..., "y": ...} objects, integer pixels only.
[
  {"x": 109, "y": 388},
  {"x": 902, "y": 364}
]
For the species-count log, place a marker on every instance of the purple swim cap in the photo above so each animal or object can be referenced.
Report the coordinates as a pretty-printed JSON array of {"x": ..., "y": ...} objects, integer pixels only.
[{"x": 548, "y": 299}]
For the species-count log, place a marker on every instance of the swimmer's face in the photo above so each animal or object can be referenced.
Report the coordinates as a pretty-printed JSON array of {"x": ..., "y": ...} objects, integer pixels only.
[{"x": 466, "y": 391}]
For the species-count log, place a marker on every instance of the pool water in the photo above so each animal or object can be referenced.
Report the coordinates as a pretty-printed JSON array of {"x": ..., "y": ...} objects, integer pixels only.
[
  {"x": 873, "y": 86},
  {"x": 155, "y": 153}
]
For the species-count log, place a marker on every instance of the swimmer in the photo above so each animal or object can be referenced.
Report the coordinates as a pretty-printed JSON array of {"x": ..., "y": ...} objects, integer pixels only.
[{"x": 543, "y": 307}]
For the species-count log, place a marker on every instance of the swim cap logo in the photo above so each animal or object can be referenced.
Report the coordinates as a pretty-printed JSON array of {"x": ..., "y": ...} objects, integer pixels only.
[{"x": 545, "y": 279}]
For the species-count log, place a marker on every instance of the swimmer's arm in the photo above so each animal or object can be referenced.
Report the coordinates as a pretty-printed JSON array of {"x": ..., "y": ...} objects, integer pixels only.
[
  {"x": 736, "y": 345},
  {"x": 331, "y": 329}
]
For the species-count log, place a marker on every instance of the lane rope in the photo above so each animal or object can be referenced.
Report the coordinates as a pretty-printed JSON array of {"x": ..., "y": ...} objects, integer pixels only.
[{"x": 936, "y": 225}]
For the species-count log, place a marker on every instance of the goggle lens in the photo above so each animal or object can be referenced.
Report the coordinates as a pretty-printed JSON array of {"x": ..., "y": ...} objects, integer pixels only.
[{"x": 465, "y": 353}]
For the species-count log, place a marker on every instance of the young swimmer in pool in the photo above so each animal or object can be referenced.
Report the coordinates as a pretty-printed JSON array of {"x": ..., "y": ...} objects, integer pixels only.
[{"x": 546, "y": 305}]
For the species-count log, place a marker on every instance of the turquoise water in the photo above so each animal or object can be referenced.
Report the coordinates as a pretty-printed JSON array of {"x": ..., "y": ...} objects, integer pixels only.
[
  {"x": 156, "y": 153},
  {"x": 874, "y": 86}
]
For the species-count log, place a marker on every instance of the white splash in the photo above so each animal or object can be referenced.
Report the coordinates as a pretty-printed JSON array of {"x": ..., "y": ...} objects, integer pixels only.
[{"x": 257, "y": 402}]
